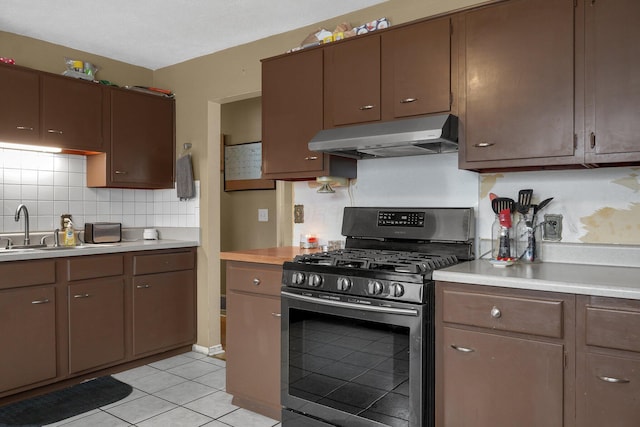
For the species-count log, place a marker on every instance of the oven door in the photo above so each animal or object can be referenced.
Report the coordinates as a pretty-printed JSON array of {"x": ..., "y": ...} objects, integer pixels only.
[{"x": 363, "y": 363}]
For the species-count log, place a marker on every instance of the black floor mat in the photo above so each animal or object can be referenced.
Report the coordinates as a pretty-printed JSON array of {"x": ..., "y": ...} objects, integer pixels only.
[{"x": 65, "y": 403}]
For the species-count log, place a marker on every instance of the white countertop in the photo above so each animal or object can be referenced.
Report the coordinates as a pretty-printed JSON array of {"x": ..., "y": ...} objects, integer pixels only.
[
  {"x": 95, "y": 249},
  {"x": 585, "y": 279}
]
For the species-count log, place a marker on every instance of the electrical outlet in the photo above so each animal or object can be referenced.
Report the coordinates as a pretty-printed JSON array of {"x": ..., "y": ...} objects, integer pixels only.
[
  {"x": 298, "y": 214},
  {"x": 552, "y": 228},
  {"x": 263, "y": 215},
  {"x": 64, "y": 218}
]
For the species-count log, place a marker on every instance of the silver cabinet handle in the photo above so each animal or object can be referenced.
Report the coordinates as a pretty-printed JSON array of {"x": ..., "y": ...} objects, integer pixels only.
[
  {"x": 81, "y": 296},
  {"x": 483, "y": 144},
  {"x": 614, "y": 380},
  {"x": 311, "y": 158},
  {"x": 24, "y": 128},
  {"x": 256, "y": 281},
  {"x": 41, "y": 301},
  {"x": 366, "y": 107},
  {"x": 592, "y": 140},
  {"x": 59, "y": 132},
  {"x": 121, "y": 172},
  {"x": 143, "y": 286},
  {"x": 276, "y": 314},
  {"x": 408, "y": 100},
  {"x": 496, "y": 313},
  {"x": 462, "y": 349}
]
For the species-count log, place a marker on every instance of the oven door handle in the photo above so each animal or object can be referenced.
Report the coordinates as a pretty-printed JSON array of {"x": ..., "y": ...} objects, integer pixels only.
[{"x": 376, "y": 309}]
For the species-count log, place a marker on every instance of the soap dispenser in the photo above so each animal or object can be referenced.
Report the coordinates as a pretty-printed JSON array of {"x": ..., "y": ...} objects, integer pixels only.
[{"x": 69, "y": 235}]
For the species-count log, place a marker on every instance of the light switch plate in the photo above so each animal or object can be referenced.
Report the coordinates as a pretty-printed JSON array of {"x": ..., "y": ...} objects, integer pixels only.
[
  {"x": 263, "y": 215},
  {"x": 298, "y": 214}
]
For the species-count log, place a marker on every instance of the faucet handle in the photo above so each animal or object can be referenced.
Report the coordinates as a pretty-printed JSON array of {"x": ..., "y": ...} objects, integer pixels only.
[{"x": 9, "y": 241}]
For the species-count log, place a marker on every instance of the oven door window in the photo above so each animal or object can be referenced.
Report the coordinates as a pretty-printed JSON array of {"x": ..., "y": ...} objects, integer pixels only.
[{"x": 356, "y": 366}]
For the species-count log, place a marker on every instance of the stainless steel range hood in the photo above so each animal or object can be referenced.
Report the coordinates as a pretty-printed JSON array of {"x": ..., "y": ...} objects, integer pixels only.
[{"x": 407, "y": 137}]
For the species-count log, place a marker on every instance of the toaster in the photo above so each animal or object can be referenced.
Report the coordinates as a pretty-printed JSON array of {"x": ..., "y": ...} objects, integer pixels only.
[{"x": 102, "y": 232}]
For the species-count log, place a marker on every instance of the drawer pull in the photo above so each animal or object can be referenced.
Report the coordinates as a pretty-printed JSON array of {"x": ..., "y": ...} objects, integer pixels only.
[
  {"x": 614, "y": 380},
  {"x": 276, "y": 314},
  {"x": 462, "y": 349},
  {"x": 496, "y": 313},
  {"x": 59, "y": 132},
  {"x": 408, "y": 100},
  {"x": 143, "y": 286},
  {"x": 256, "y": 281},
  {"x": 41, "y": 301},
  {"x": 24, "y": 128},
  {"x": 483, "y": 144},
  {"x": 367, "y": 107},
  {"x": 311, "y": 158},
  {"x": 121, "y": 172},
  {"x": 81, "y": 296}
]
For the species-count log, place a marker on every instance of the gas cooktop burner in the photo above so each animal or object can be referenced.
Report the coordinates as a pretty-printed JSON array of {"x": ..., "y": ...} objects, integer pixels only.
[{"x": 379, "y": 260}]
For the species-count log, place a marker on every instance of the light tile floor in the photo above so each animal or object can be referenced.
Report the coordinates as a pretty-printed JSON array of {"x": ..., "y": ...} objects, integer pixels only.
[{"x": 187, "y": 390}]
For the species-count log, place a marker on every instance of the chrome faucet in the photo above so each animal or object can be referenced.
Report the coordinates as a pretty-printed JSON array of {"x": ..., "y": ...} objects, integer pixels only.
[
  {"x": 22, "y": 207},
  {"x": 56, "y": 238}
]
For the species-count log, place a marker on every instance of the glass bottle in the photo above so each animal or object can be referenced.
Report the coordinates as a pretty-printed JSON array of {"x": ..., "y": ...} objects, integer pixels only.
[
  {"x": 503, "y": 246},
  {"x": 528, "y": 238}
]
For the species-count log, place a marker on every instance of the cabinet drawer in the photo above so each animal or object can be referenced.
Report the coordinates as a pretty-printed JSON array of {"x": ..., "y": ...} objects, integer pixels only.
[
  {"x": 160, "y": 263},
  {"x": 27, "y": 273},
  {"x": 505, "y": 313},
  {"x": 93, "y": 267},
  {"x": 257, "y": 278},
  {"x": 619, "y": 329}
]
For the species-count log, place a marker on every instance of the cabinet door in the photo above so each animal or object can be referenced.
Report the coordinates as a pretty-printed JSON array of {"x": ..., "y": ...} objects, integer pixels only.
[
  {"x": 142, "y": 137},
  {"x": 416, "y": 69},
  {"x": 28, "y": 336},
  {"x": 610, "y": 396},
  {"x": 613, "y": 86},
  {"x": 518, "y": 84},
  {"x": 291, "y": 113},
  {"x": 163, "y": 311},
  {"x": 19, "y": 110},
  {"x": 492, "y": 380},
  {"x": 352, "y": 82},
  {"x": 253, "y": 348},
  {"x": 96, "y": 323},
  {"x": 71, "y": 113}
]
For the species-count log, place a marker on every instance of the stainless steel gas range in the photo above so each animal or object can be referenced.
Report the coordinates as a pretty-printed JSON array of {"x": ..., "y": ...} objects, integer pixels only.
[{"x": 358, "y": 323}]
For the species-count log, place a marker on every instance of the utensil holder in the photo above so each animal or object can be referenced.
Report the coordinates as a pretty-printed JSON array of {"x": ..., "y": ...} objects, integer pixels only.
[
  {"x": 503, "y": 245},
  {"x": 528, "y": 238}
]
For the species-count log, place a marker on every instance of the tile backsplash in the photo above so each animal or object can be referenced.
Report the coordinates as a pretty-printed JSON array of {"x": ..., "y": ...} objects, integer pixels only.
[{"x": 54, "y": 184}]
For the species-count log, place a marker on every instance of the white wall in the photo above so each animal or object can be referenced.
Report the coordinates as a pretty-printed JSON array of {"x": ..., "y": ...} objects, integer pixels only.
[{"x": 600, "y": 206}]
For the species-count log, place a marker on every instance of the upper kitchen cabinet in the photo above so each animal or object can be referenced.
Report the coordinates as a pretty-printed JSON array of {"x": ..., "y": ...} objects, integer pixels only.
[
  {"x": 352, "y": 82},
  {"x": 71, "y": 113},
  {"x": 140, "y": 152},
  {"x": 517, "y": 80},
  {"x": 612, "y": 81},
  {"x": 291, "y": 115},
  {"x": 19, "y": 111},
  {"x": 416, "y": 69}
]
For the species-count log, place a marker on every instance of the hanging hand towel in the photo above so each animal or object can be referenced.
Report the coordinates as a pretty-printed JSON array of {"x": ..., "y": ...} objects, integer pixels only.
[{"x": 184, "y": 178}]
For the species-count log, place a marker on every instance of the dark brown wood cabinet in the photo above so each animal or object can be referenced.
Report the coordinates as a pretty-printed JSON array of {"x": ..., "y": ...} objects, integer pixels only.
[
  {"x": 503, "y": 356},
  {"x": 416, "y": 69},
  {"x": 253, "y": 336},
  {"x": 71, "y": 113},
  {"x": 19, "y": 110},
  {"x": 164, "y": 298},
  {"x": 141, "y": 143},
  {"x": 96, "y": 306},
  {"x": 612, "y": 84},
  {"x": 291, "y": 115},
  {"x": 517, "y": 75},
  {"x": 608, "y": 367}
]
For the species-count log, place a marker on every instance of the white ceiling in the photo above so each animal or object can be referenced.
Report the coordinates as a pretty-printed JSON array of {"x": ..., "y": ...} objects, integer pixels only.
[{"x": 158, "y": 33}]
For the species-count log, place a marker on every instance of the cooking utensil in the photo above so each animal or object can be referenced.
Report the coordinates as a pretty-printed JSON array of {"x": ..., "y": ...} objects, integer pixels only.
[
  {"x": 537, "y": 208},
  {"x": 524, "y": 201},
  {"x": 501, "y": 203}
]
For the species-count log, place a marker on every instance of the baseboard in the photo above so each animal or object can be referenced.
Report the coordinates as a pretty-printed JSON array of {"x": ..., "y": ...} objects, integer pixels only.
[{"x": 209, "y": 351}]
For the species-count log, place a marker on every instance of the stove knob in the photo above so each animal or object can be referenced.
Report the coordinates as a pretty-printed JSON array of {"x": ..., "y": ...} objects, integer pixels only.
[
  {"x": 374, "y": 287},
  {"x": 397, "y": 290},
  {"x": 344, "y": 284},
  {"x": 315, "y": 280},
  {"x": 297, "y": 278}
]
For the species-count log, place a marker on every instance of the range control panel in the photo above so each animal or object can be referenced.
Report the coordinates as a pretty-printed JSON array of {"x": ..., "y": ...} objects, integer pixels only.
[{"x": 400, "y": 219}]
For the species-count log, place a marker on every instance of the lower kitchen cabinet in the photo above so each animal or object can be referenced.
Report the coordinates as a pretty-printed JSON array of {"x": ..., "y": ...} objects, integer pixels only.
[
  {"x": 505, "y": 357},
  {"x": 253, "y": 336},
  {"x": 608, "y": 387}
]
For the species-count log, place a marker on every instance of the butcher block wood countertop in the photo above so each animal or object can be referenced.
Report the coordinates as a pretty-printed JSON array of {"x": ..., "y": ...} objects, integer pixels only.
[{"x": 266, "y": 256}]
